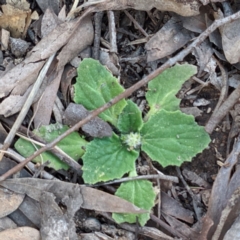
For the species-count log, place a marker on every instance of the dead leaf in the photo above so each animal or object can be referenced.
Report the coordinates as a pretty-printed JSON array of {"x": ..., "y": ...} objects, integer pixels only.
[
  {"x": 81, "y": 38},
  {"x": 29, "y": 212},
  {"x": 225, "y": 184},
  {"x": 18, "y": 79},
  {"x": 234, "y": 232},
  {"x": 167, "y": 40},
  {"x": 184, "y": 8},
  {"x": 184, "y": 229},
  {"x": 228, "y": 216},
  {"x": 194, "y": 178},
  {"x": 49, "y": 22},
  {"x": 230, "y": 33},
  {"x": 53, "y": 4},
  {"x": 55, "y": 223},
  {"x": 44, "y": 196},
  {"x": 21, "y": 233},
  {"x": 71, "y": 195},
  {"x": 195, "y": 23},
  {"x": 172, "y": 207},
  {"x": 203, "y": 54},
  {"x": 43, "y": 108},
  {"x": 68, "y": 74},
  {"x": 6, "y": 164},
  {"x": 9, "y": 201},
  {"x": 95, "y": 128}
]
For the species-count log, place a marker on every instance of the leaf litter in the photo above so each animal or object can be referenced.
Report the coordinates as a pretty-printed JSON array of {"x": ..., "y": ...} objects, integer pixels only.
[{"x": 63, "y": 36}]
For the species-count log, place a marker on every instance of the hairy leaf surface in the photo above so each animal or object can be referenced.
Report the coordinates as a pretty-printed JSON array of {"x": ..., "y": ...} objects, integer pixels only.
[
  {"x": 130, "y": 120},
  {"x": 106, "y": 159},
  {"x": 162, "y": 89},
  {"x": 171, "y": 138},
  {"x": 141, "y": 194},
  {"x": 96, "y": 86},
  {"x": 73, "y": 145}
]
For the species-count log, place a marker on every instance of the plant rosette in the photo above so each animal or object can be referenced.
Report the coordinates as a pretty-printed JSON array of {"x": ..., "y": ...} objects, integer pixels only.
[{"x": 168, "y": 136}]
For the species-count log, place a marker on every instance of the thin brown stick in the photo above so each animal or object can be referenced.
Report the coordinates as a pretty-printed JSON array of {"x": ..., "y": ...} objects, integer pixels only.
[
  {"x": 136, "y": 24},
  {"x": 129, "y": 91},
  {"x": 223, "y": 110},
  {"x": 127, "y": 179}
]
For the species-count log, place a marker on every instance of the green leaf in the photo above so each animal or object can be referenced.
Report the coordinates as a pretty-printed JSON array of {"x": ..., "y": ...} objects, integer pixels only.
[
  {"x": 106, "y": 159},
  {"x": 171, "y": 138},
  {"x": 141, "y": 194},
  {"x": 130, "y": 120},
  {"x": 73, "y": 145},
  {"x": 96, "y": 86},
  {"x": 163, "y": 88}
]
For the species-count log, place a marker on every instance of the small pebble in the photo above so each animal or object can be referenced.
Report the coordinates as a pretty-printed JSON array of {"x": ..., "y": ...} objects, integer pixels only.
[
  {"x": 201, "y": 102},
  {"x": 91, "y": 225},
  {"x": 18, "y": 47}
]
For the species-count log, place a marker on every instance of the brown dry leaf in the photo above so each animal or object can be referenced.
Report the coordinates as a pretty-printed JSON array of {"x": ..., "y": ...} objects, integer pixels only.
[
  {"x": 230, "y": 34},
  {"x": 231, "y": 41},
  {"x": 55, "y": 224},
  {"x": 43, "y": 197},
  {"x": 195, "y": 23},
  {"x": 95, "y": 128},
  {"x": 172, "y": 207},
  {"x": 195, "y": 179},
  {"x": 17, "y": 80},
  {"x": 234, "y": 232},
  {"x": 29, "y": 212},
  {"x": 71, "y": 195},
  {"x": 228, "y": 217},
  {"x": 6, "y": 164},
  {"x": 81, "y": 38},
  {"x": 13, "y": 103},
  {"x": 9, "y": 202},
  {"x": 52, "y": 4},
  {"x": 184, "y": 229},
  {"x": 21, "y": 233},
  {"x": 43, "y": 107},
  {"x": 16, "y": 18},
  {"x": 225, "y": 184},
  {"x": 184, "y": 8},
  {"x": 167, "y": 40},
  {"x": 68, "y": 74},
  {"x": 49, "y": 22},
  {"x": 203, "y": 55}
]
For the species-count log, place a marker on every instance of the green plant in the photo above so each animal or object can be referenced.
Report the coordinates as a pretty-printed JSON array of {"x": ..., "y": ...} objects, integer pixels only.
[
  {"x": 73, "y": 145},
  {"x": 166, "y": 135}
]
